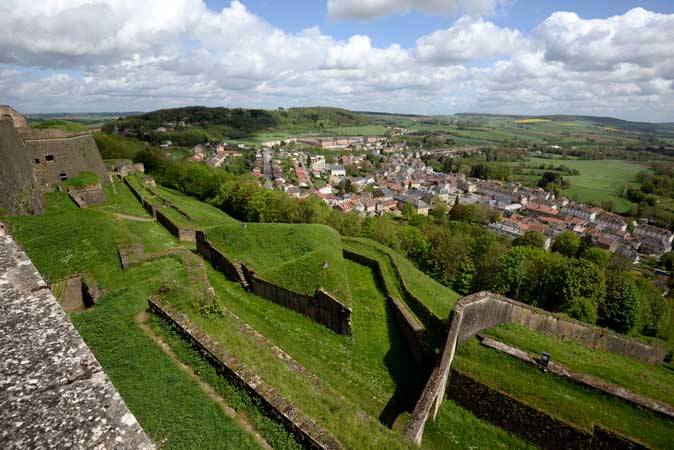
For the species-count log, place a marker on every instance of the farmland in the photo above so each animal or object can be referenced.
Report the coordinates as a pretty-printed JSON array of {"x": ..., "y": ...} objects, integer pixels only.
[{"x": 598, "y": 181}]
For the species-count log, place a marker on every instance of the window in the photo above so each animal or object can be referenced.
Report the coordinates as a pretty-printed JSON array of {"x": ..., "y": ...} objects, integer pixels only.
[
  {"x": 49, "y": 157},
  {"x": 63, "y": 176},
  {"x": 37, "y": 160}
]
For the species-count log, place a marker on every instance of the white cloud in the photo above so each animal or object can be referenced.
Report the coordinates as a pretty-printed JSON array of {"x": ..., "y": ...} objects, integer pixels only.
[
  {"x": 639, "y": 37},
  {"x": 371, "y": 9},
  {"x": 469, "y": 39},
  {"x": 87, "y": 55}
]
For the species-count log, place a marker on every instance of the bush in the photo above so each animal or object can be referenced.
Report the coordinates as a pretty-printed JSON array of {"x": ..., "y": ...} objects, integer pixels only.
[{"x": 583, "y": 309}]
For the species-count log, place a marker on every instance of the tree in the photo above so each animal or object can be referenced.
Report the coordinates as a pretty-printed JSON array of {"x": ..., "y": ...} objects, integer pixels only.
[
  {"x": 620, "y": 310},
  {"x": 439, "y": 211},
  {"x": 583, "y": 309},
  {"x": 598, "y": 256},
  {"x": 530, "y": 239},
  {"x": 567, "y": 243}
]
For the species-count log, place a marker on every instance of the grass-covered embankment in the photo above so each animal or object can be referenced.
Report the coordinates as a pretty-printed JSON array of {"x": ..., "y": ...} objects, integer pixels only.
[
  {"x": 561, "y": 398},
  {"x": 170, "y": 406},
  {"x": 439, "y": 299},
  {"x": 291, "y": 256},
  {"x": 654, "y": 381},
  {"x": 82, "y": 180}
]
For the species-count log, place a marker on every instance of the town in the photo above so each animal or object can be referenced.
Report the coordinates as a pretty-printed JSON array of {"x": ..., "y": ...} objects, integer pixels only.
[{"x": 367, "y": 175}]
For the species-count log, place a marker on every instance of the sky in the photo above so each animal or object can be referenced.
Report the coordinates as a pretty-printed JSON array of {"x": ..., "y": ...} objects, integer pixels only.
[{"x": 609, "y": 58}]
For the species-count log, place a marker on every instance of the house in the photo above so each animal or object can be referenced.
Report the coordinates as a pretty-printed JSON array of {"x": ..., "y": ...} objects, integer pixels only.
[{"x": 337, "y": 171}]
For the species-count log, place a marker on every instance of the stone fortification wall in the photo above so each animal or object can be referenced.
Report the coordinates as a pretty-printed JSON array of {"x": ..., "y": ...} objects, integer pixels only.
[
  {"x": 535, "y": 426},
  {"x": 184, "y": 234},
  {"x": 17, "y": 119},
  {"x": 19, "y": 192},
  {"x": 322, "y": 307},
  {"x": 55, "y": 154},
  {"x": 88, "y": 195},
  {"x": 419, "y": 308},
  {"x": 412, "y": 330},
  {"x": 483, "y": 310},
  {"x": 53, "y": 392},
  {"x": 486, "y": 310},
  {"x": 308, "y": 432}
]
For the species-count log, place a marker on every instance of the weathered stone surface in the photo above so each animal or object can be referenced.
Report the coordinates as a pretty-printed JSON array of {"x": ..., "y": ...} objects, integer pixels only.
[
  {"x": 53, "y": 392},
  {"x": 19, "y": 193}
]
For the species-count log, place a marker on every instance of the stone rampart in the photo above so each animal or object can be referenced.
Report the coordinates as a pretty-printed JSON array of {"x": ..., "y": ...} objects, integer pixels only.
[
  {"x": 306, "y": 430},
  {"x": 53, "y": 392},
  {"x": 149, "y": 207},
  {"x": 322, "y": 307},
  {"x": 88, "y": 195},
  {"x": 527, "y": 422},
  {"x": 483, "y": 310},
  {"x": 57, "y": 155},
  {"x": 182, "y": 233},
  {"x": 19, "y": 190}
]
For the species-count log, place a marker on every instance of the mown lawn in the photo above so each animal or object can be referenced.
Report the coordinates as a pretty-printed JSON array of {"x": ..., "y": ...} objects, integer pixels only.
[
  {"x": 560, "y": 397},
  {"x": 655, "y": 381},
  {"x": 292, "y": 256}
]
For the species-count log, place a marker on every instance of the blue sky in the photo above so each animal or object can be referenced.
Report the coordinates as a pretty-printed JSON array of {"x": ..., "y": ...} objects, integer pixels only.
[
  {"x": 612, "y": 58},
  {"x": 406, "y": 28}
]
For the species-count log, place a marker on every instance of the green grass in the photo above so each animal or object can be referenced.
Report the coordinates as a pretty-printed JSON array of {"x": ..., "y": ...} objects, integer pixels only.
[
  {"x": 359, "y": 372},
  {"x": 598, "y": 180},
  {"x": 64, "y": 125},
  {"x": 65, "y": 240},
  {"x": 244, "y": 404},
  {"x": 652, "y": 381},
  {"x": 84, "y": 179},
  {"x": 290, "y": 255},
  {"x": 455, "y": 427},
  {"x": 202, "y": 213},
  {"x": 437, "y": 297},
  {"x": 122, "y": 201},
  {"x": 560, "y": 397},
  {"x": 170, "y": 406}
]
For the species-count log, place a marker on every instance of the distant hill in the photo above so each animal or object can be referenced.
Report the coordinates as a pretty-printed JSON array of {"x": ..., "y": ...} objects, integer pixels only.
[
  {"x": 195, "y": 124},
  {"x": 661, "y": 129}
]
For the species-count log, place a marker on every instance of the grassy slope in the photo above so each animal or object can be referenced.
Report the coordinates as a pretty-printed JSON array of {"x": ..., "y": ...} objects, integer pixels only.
[
  {"x": 652, "y": 381},
  {"x": 290, "y": 255},
  {"x": 82, "y": 180},
  {"x": 598, "y": 180},
  {"x": 351, "y": 367},
  {"x": 438, "y": 298},
  {"x": 560, "y": 397},
  {"x": 203, "y": 213},
  {"x": 169, "y": 405}
]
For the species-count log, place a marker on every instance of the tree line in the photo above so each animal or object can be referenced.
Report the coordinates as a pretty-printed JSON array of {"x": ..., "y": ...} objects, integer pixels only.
[{"x": 575, "y": 278}]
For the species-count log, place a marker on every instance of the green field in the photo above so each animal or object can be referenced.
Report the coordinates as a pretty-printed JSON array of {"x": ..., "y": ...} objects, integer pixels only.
[
  {"x": 654, "y": 381},
  {"x": 598, "y": 180},
  {"x": 560, "y": 397},
  {"x": 290, "y": 255},
  {"x": 64, "y": 125}
]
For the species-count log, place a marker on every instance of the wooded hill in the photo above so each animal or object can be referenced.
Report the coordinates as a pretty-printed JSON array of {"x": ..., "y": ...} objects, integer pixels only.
[{"x": 196, "y": 124}]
